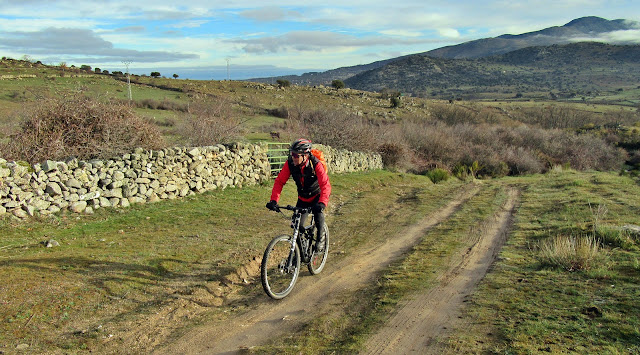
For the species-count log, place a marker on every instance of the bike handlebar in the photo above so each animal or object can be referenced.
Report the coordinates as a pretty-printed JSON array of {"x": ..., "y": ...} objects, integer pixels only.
[{"x": 293, "y": 208}]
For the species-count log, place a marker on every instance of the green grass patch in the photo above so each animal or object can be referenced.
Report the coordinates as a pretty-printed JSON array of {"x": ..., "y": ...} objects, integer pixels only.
[{"x": 567, "y": 279}]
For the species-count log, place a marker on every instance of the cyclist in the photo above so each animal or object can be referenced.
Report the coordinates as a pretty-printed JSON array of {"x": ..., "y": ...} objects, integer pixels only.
[{"x": 312, "y": 181}]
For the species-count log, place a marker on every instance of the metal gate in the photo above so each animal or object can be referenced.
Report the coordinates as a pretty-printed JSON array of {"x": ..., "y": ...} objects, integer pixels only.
[{"x": 277, "y": 153}]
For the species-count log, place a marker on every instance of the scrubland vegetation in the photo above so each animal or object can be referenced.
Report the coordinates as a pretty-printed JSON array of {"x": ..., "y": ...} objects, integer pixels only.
[{"x": 479, "y": 139}]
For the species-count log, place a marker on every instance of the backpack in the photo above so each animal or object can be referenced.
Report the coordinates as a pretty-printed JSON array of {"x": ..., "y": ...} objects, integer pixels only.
[{"x": 320, "y": 155}]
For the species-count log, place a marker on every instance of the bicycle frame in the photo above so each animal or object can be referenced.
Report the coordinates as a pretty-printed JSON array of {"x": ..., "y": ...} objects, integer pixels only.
[
  {"x": 295, "y": 224},
  {"x": 285, "y": 253}
]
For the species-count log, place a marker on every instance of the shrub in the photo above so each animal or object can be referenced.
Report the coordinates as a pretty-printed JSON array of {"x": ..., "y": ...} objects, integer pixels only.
[
  {"x": 461, "y": 171},
  {"x": 82, "y": 127},
  {"x": 395, "y": 102},
  {"x": 340, "y": 130},
  {"x": 387, "y": 93},
  {"x": 281, "y": 112},
  {"x": 211, "y": 122},
  {"x": 522, "y": 161},
  {"x": 571, "y": 253},
  {"x": 437, "y": 175},
  {"x": 394, "y": 155},
  {"x": 283, "y": 83},
  {"x": 453, "y": 114}
]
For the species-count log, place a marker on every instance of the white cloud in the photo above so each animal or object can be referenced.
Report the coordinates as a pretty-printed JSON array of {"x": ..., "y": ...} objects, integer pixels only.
[
  {"x": 401, "y": 33},
  {"x": 615, "y": 37},
  {"x": 327, "y": 35},
  {"x": 189, "y": 24},
  {"x": 316, "y": 41},
  {"x": 449, "y": 32},
  {"x": 80, "y": 43},
  {"x": 270, "y": 14}
]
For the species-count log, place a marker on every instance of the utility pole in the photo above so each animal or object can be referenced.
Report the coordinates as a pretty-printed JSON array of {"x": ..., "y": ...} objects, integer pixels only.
[
  {"x": 228, "y": 59},
  {"x": 126, "y": 64}
]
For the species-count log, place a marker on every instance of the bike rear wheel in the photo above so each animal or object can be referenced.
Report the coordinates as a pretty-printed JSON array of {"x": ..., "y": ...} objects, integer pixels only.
[
  {"x": 319, "y": 258},
  {"x": 277, "y": 273}
]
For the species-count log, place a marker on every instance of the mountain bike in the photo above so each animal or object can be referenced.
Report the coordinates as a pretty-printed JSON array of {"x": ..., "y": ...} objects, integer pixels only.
[{"x": 285, "y": 253}]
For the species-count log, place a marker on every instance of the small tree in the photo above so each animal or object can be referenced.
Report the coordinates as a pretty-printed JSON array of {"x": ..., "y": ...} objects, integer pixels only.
[
  {"x": 338, "y": 84},
  {"x": 85, "y": 67},
  {"x": 283, "y": 83},
  {"x": 155, "y": 74},
  {"x": 97, "y": 70},
  {"x": 175, "y": 76},
  {"x": 395, "y": 101}
]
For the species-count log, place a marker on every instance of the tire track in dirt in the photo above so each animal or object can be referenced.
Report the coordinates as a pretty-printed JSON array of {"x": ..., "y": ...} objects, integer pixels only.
[
  {"x": 420, "y": 320},
  {"x": 271, "y": 318}
]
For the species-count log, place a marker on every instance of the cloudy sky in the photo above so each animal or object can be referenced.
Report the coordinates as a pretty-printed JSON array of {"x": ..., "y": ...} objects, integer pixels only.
[{"x": 212, "y": 39}]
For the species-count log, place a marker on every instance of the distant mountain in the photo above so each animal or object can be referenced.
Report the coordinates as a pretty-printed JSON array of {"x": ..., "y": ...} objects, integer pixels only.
[
  {"x": 582, "y": 29},
  {"x": 576, "y": 67},
  {"x": 578, "y": 30}
]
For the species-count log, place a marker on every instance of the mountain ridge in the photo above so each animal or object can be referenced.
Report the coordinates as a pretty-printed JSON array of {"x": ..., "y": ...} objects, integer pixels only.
[
  {"x": 575, "y": 67},
  {"x": 584, "y": 27}
]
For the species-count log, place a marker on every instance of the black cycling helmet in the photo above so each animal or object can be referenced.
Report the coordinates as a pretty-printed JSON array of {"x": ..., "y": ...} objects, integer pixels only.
[{"x": 301, "y": 146}]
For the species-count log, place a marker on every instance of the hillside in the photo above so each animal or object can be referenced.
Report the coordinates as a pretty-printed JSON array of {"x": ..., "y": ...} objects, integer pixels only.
[
  {"x": 578, "y": 69},
  {"x": 582, "y": 29}
]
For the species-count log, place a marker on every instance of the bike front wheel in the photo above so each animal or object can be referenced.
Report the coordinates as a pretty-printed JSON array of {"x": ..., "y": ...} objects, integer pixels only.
[
  {"x": 319, "y": 257},
  {"x": 280, "y": 267}
]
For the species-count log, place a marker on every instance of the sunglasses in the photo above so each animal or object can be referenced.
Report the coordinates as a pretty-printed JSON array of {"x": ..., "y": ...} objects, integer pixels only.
[{"x": 296, "y": 155}]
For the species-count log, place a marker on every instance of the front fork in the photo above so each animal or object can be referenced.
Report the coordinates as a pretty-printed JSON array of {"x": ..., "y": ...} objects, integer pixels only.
[{"x": 295, "y": 224}]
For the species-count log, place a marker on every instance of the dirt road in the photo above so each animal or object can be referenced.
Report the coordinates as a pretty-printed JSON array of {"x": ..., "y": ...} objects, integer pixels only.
[
  {"x": 421, "y": 319},
  {"x": 415, "y": 325}
]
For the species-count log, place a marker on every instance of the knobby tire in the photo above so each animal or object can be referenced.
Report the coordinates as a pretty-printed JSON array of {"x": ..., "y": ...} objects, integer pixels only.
[
  {"x": 277, "y": 280},
  {"x": 319, "y": 259}
]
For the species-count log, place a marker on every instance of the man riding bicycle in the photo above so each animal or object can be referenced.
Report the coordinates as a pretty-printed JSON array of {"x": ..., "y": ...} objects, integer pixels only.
[{"x": 312, "y": 182}]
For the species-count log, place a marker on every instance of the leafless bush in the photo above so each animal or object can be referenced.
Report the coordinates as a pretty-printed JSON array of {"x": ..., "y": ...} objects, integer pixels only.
[
  {"x": 521, "y": 160},
  {"x": 164, "y": 104},
  {"x": 81, "y": 127},
  {"x": 587, "y": 152},
  {"x": 556, "y": 116},
  {"x": 453, "y": 114},
  {"x": 211, "y": 122},
  {"x": 394, "y": 155},
  {"x": 563, "y": 117},
  {"x": 340, "y": 130},
  {"x": 395, "y": 150},
  {"x": 456, "y": 138},
  {"x": 281, "y": 112}
]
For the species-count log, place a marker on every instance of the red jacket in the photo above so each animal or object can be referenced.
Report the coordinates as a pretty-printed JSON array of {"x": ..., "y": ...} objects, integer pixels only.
[{"x": 310, "y": 182}]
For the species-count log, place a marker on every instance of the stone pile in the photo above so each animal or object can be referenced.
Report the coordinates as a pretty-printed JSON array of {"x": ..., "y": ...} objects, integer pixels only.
[
  {"x": 145, "y": 176},
  {"x": 344, "y": 161}
]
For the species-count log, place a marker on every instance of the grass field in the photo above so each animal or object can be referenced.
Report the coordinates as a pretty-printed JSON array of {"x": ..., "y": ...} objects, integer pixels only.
[{"x": 120, "y": 265}]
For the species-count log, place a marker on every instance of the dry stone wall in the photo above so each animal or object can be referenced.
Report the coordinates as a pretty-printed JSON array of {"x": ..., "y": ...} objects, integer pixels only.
[{"x": 145, "y": 176}]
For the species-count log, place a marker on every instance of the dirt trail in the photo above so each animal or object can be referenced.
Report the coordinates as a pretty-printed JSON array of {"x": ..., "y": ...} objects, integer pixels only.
[
  {"x": 419, "y": 321},
  {"x": 272, "y": 318}
]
